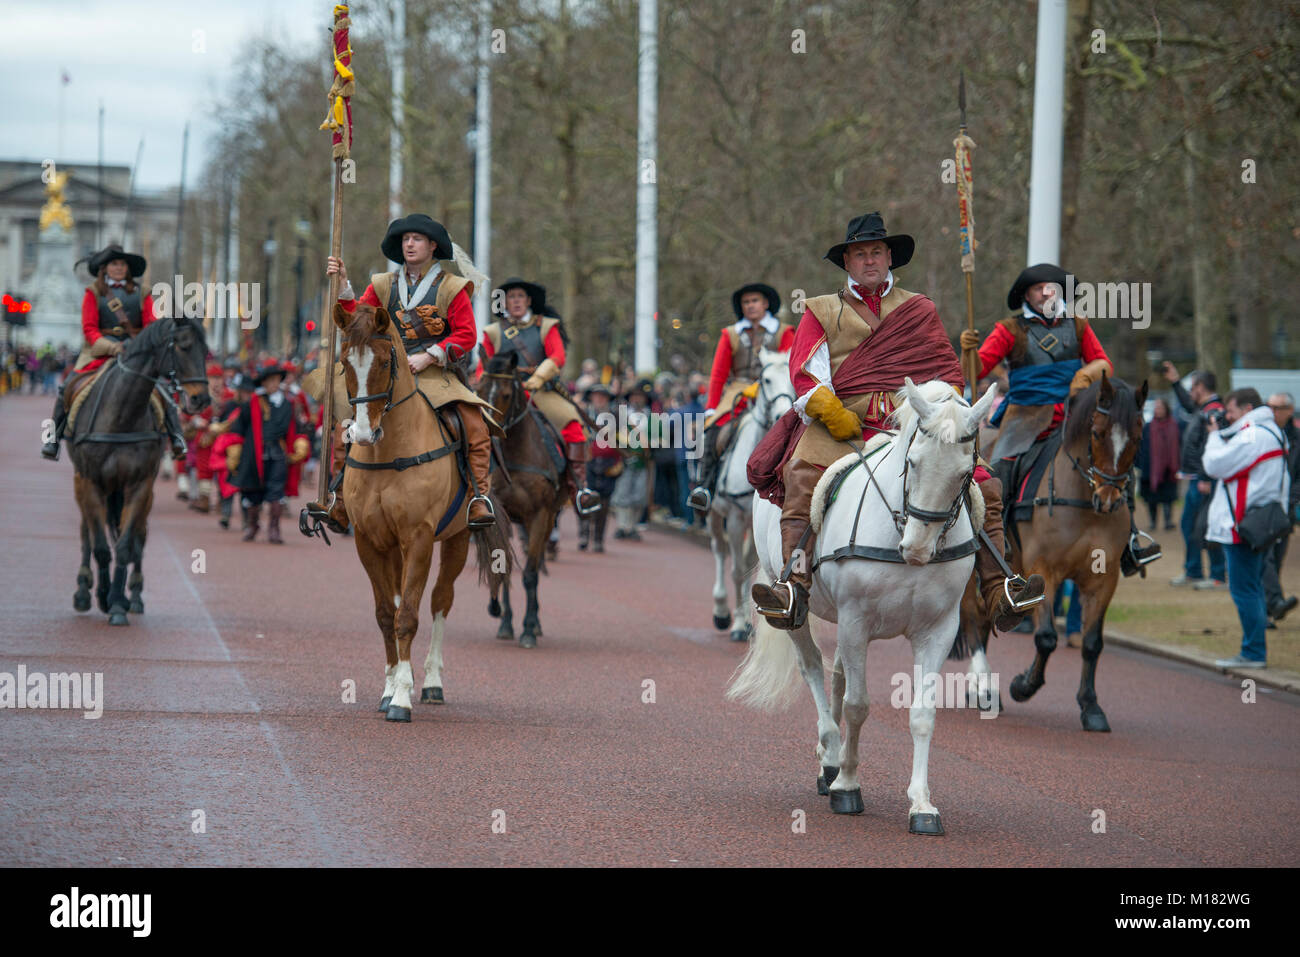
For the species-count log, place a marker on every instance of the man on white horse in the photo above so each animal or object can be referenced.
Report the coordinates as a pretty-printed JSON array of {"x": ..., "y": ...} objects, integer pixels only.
[
  {"x": 852, "y": 351},
  {"x": 734, "y": 379}
]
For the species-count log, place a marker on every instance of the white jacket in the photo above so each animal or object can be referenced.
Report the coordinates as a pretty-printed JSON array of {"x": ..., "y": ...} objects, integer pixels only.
[{"x": 1252, "y": 448}]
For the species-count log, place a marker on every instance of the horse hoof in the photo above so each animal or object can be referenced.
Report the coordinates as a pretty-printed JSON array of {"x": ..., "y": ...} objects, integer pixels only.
[
  {"x": 721, "y": 622},
  {"x": 826, "y": 779},
  {"x": 740, "y": 634},
  {"x": 384, "y": 702},
  {"x": 986, "y": 705},
  {"x": 431, "y": 696},
  {"x": 1094, "y": 719},
  {"x": 494, "y": 608},
  {"x": 1021, "y": 690},
  {"x": 925, "y": 824},
  {"x": 847, "y": 802},
  {"x": 527, "y": 641},
  {"x": 117, "y": 617},
  {"x": 505, "y": 634},
  {"x": 81, "y": 601},
  {"x": 398, "y": 714},
  {"x": 137, "y": 607}
]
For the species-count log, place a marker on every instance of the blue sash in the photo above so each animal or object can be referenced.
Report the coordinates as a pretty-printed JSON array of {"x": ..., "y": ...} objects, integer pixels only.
[{"x": 1038, "y": 385}]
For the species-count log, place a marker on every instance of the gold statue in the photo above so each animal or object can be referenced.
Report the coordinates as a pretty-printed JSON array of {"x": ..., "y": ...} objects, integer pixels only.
[{"x": 55, "y": 209}]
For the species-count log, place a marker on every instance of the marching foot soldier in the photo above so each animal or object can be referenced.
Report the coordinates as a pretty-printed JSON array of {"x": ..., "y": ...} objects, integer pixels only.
[
  {"x": 113, "y": 311},
  {"x": 852, "y": 350},
  {"x": 271, "y": 446},
  {"x": 1052, "y": 356},
  {"x": 536, "y": 333},
  {"x": 734, "y": 379},
  {"x": 433, "y": 314}
]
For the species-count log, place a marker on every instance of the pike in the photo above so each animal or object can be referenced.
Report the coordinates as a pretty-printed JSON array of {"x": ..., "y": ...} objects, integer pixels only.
[
  {"x": 339, "y": 121},
  {"x": 965, "y": 189}
]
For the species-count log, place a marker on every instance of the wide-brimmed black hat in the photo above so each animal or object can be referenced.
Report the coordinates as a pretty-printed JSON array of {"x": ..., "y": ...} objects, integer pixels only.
[
  {"x": 596, "y": 387},
  {"x": 416, "y": 223},
  {"x": 241, "y": 382},
  {"x": 135, "y": 263},
  {"x": 268, "y": 368},
  {"x": 773, "y": 300},
  {"x": 536, "y": 293},
  {"x": 1043, "y": 272},
  {"x": 868, "y": 227}
]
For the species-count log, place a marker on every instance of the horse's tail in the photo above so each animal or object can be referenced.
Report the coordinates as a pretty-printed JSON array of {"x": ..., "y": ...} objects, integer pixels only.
[
  {"x": 493, "y": 550},
  {"x": 768, "y": 675}
]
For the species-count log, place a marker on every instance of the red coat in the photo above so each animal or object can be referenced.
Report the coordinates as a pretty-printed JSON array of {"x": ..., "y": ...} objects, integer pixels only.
[
  {"x": 460, "y": 318},
  {"x": 721, "y": 372},
  {"x": 90, "y": 322}
]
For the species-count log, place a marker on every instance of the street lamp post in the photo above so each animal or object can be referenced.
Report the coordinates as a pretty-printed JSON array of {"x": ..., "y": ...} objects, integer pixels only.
[
  {"x": 268, "y": 251},
  {"x": 302, "y": 230}
]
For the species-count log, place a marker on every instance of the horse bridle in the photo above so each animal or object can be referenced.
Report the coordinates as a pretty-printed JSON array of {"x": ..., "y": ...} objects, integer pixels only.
[
  {"x": 387, "y": 394},
  {"x": 508, "y": 414},
  {"x": 767, "y": 402},
  {"x": 1094, "y": 476}
]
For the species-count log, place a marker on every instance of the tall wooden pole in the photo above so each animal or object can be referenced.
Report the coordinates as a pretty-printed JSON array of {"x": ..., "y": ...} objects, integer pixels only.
[{"x": 970, "y": 361}]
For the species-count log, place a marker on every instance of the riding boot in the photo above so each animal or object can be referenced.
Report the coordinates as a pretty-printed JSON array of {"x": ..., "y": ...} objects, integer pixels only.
[
  {"x": 252, "y": 520},
  {"x": 171, "y": 419},
  {"x": 701, "y": 496},
  {"x": 585, "y": 501},
  {"x": 784, "y": 603},
  {"x": 1135, "y": 556},
  {"x": 478, "y": 449},
  {"x": 598, "y": 526},
  {"x": 994, "y": 585},
  {"x": 51, "y": 448},
  {"x": 273, "y": 526},
  {"x": 227, "y": 507}
]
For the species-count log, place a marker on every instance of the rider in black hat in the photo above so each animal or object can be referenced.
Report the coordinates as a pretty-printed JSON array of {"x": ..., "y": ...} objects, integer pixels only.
[
  {"x": 528, "y": 327},
  {"x": 113, "y": 310},
  {"x": 434, "y": 314},
  {"x": 736, "y": 369}
]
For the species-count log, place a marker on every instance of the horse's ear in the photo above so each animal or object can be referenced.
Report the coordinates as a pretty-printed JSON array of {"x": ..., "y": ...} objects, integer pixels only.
[
  {"x": 1107, "y": 390},
  {"x": 981, "y": 408},
  {"x": 1142, "y": 395},
  {"x": 381, "y": 319},
  {"x": 342, "y": 318},
  {"x": 914, "y": 398}
]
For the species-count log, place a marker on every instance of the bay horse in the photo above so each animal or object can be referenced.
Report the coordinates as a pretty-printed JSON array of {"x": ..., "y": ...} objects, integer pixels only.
[
  {"x": 729, "y": 513},
  {"x": 895, "y": 547},
  {"x": 531, "y": 486},
  {"x": 1079, "y": 528},
  {"x": 116, "y": 448},
  {"x": 404, "y": 492}
]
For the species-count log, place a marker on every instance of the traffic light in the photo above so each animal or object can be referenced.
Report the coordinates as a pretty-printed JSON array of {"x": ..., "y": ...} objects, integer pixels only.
[
  {"x": 16, "y": 309},
  {"x": 310, "y": 325}
]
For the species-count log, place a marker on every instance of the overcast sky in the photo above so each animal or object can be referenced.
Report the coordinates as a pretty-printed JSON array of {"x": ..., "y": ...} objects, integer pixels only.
[{"x": 138, "y": 57}]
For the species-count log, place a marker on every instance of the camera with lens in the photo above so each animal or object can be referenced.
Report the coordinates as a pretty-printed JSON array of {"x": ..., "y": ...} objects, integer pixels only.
[{"x": 1218, "y": 416}]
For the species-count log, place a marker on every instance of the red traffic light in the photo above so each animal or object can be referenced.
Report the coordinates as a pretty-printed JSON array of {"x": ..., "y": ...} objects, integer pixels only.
[
  {"x": 310, "y": 325},
  {"x": 16, "y": 305}
]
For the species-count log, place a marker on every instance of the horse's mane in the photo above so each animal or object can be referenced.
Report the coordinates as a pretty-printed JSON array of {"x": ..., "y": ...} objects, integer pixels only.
[
  {"x": 950, "y": 412},
  {"x": 498, "y": 363},
  {"x": 149, "y": 338},
  {"x": 1124, "y": 411}
]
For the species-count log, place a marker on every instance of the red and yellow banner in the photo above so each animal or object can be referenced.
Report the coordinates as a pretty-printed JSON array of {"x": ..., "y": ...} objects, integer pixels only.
[{"x": 339, "y": 117}]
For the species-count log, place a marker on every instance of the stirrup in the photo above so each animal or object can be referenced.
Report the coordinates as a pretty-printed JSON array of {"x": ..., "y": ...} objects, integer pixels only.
[
  {"x": 1019, "y": 606},
  {"x": 1138, "y": 550},
  {"x": 481, "y": 523},
  {"x": 786, "y": 612},
  {"x": 697, "y": 492},
  {"x": 577, "y": 498}
]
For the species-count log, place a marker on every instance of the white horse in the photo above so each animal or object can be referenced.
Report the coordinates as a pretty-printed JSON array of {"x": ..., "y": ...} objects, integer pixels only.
[
  {"x": 905, "y": 544},
  {"x": 729, "y": 515}
]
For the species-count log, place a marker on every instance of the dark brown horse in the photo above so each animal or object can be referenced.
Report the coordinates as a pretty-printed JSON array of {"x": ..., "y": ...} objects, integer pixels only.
[
  {"x": 531, "y": 487},
  {"x": 1079, "y": 529},
  {"x": 116, "y": 447},
  {"x": 405, "y": 492}
]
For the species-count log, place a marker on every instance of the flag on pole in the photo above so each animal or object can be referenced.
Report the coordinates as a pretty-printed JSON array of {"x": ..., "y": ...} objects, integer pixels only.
[
  {"x": 965, "y": 187},
  {"x": 339, "y": 117}
]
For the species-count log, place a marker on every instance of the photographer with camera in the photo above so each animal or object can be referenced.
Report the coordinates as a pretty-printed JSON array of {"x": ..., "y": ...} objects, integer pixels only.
[
  {"x": 1203, "y": 402},
  {"x": 1247, "y": 453},
  {"x": 1277, "y": 602}
]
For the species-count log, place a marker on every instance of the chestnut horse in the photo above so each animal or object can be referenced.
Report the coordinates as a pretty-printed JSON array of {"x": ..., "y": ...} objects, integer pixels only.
[
  {"x": 1079, "y": 529},
  {"x": 404, "y": 492},
  {"x": 116, "y": 448},
  {"x": 533, "y": 490}
]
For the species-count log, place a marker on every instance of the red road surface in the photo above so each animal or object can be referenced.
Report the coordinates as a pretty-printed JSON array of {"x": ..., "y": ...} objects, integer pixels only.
[{"x": 226, "y": 697}]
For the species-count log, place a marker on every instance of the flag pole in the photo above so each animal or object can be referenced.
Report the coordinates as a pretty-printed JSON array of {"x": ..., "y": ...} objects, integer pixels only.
[
  {"x": 339, "y": 121},
  {"x": 964, "y": 145}
]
